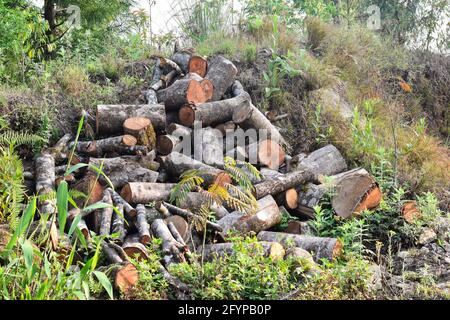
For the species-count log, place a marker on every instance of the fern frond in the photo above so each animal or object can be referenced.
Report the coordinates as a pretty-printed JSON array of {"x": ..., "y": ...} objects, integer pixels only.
[
  {"x": 189, "y": 181},
  {"x": 14, "y": 138},
  {"x": 243, "y": 201},
  {"x": 240, "y": 177},
  {"x": 253, "y": 170}
]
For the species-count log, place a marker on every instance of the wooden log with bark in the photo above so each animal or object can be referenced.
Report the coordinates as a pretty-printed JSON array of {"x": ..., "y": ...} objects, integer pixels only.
[
  {"x": 353, "y": 191},
  {"x": 118, "y": 200},
  {"x": 110, "y": 118},
  {"x": 326, "y": 161},
  {"x": 321, "y": 248},
  {"x": 178, "y": 163},
  {"x": 118, "y": 224},
  {"x": 272, "y": 250},
  {"x": 205, "y": 83},
  {"x": 120, "y": 170},
  {"x": 266, "y": 153},
  {"x": 195, "y": 200},
  {"x": 268, "y": 215},
  {"x": 145, "y": 192},
  {"x": 189, "y": 215},
  {"x": 45, "y": 181},
  {"x": 182, "y": 58},
  {"x": 180, "y": 224},
  {"x": 142, "y": 129},
  {"x": 119, "y": 145},
  {"x": 172, "y": 249},
  {"x": 208, "y": 147},
  {"x": 106, "y": 215},
  {"x": 168, "y": 143},
  {"x": 142, "y": 225},
  {"x": 212, "y": 113},
  {"x": 181, "y": 92},
  {"x": 288, "y": 198},
  {"x": 222, "y": 73}
]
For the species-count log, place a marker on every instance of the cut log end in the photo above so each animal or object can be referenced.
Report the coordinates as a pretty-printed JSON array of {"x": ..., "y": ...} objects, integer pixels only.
[
  {"x": 410, "y": 211},
  {"x": 165, "y": 144},
  {"x": 129, "y": 140},
  {"x": 338, "y": 249},
  {"x": 208, "y": 88},
  {"x": 291, "y": 198},
  {"x": 126, "y": 193},
  {"x": 136, "y": 124},
  {"x": 195, "y": 93},
  {"x": 271, "y": 154},
  {"x": 277, "y": 252},
  {"x": 198, "y": 65},
  {"x": 126, "y": 278},
  {"x": 371, "y": 200},
  {"x": 186, "y": 115}
]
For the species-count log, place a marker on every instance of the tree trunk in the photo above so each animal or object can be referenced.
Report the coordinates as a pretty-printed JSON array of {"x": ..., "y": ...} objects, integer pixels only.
[
  {"x": 45, "y": 181},
  {"x": 181, "y": 92},
  {"x": 321, "y": 248},
  {"x": 106, "y": 215},
  {"x": 181, "y": 225},
  {"x": 145, "y": 192},
  {"x": 142, "y": 129},
  {"x": 110, "y": 118},
  {"x": 222, "y": 73},
  {"x": 142, "y": 225},
  {"x": 272, "y": 250}
]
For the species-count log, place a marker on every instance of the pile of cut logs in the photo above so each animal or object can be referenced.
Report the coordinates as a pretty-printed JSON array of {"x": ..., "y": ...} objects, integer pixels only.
[{"x": 136, "y": 148}]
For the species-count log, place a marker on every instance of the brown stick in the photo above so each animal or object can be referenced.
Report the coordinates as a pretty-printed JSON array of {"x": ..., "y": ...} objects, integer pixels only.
[
  {"x": 118, "y": 225},
  {"x": 142, "y": 225},
  {"x": 118, "y": 200},
  {"x": 106, "y": 215},
  {"x": 322, "y": 248},
  {"x": 110, "y": 118}
]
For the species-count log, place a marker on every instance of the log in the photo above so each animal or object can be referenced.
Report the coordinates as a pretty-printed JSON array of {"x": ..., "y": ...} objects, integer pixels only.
[
  {"x": 145, "y": 192},
  {"x": 90, "y": 186},
  {"x": 110, "y": 118},
  {"x": 168, "y": 143},
  {"x": 106, "y": 215},
  {"x": 321, "y": 248},
  {"x": 122, "y": 145},
  {"x": 177, "y": 163},
  {"x": 222, "y": 73},
  {"x": 60, "y": 150},
  {"x": 118, "y": 200},
  {"x": 410, "y": 211},
  {"x": 266, "y": 153},
  {"x": 353, "y": 192},
  {"x": 181, "y": 92},
  {"x": 212, "y": 113},
  {"x": 326, "y": 161},
  {"x": 288, "y": 198},
  {"x": 181, "y": 226},
  {"x": 172, "y": 249},
  {"x": 282, "y": 183},
  {"x": 120, "y": 170},
  {"x": 182, "y": 60},
  {"x": 45, "y": 181},
  {"x": 142, "y": 129},
  {"x": 142, "y": 225},
  {"x": 268, "y": 215},
  {"x": 133, "y": 248},
  {"x": 272, "y": 250},
  {"x": 118, "y": 224},
  {"x": 195, "y": 200},
  {"x": 247, "y": 116},
  {"x": 205, "y": 83},
  {"x": 189, "y": 215},
  {"x": 198, "y": 65},
  {"x": 178, "y": 130}
]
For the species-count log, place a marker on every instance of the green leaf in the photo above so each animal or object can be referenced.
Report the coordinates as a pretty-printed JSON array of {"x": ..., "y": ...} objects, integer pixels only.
[
  {"x": 76, "y": 167},
  {"x": 97, "y": 205},
  {"x": 62, "y": 204},
  {"x": 27, "y": 249},
  {"x": 105, "y": 283},
  {"x": 74, "y": 224},
  {"x": 23, "y": 224}
]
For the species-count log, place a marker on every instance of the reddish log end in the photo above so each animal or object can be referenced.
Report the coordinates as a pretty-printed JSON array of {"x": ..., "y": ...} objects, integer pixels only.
[
  {"x": 198, "y": 65},
  {"x": 126, "y": 278},
  {"x": 271, "y": 154},
  {"x": 410, "y": 211},
  {"x": 195, "y": 93},
  {"x": 186, "y": 115}
]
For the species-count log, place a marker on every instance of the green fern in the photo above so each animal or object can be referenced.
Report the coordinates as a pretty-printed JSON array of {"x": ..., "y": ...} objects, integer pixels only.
[
  {"x": 189, "y": 181},
  {"x": 240, "y": 176},
  {"x": 13, "y": 138}
]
